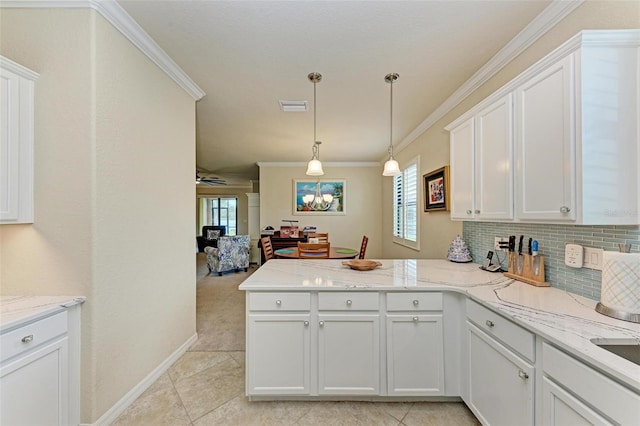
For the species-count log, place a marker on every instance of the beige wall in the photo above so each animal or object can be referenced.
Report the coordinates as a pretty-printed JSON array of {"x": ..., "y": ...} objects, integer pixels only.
[
  {"x": 436, "y": 230},
  {"x": 114, "y": 159},
  {"x": 363, "y": 204}
]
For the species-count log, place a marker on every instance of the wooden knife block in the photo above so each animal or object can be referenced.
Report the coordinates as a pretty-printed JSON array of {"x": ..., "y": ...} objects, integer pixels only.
[{"x": 527, "y": 268}]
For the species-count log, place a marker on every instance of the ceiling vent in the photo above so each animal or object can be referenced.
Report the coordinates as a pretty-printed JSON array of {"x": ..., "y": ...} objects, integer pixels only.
[{"x": 293, "y": 106}]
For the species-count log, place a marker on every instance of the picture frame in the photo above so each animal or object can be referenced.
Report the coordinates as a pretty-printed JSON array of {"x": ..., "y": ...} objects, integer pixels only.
[
  {"x": 332, "y": 197},
  {"x": 436, "y": 190}
]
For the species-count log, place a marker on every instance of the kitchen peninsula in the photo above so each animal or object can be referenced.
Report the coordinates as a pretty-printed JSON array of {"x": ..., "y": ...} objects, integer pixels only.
[{"x": 435, "y": 330}]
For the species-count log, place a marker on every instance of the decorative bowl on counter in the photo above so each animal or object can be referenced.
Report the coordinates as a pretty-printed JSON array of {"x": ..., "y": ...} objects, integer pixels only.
[{"x": 361, "y": 264}]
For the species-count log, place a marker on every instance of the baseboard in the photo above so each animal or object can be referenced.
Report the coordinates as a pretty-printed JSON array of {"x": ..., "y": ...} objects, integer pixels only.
[{"x": 119, "y": 407}]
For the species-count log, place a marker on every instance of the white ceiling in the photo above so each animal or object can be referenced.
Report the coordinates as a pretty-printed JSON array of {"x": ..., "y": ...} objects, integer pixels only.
[{"x": 248, "y": 55}]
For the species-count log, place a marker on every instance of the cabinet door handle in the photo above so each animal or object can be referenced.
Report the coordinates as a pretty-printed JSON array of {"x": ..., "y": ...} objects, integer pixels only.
[
  {"x": 489, "y": 323},
  {"x": 468, "y": 211},
  {"x": 321, "y": 323},
  {"x": 523, "y": 375},
  {"x": 278, "y": 302},
  {"x": 477, "y": 211},
  {"x": 306, "y": 323},
  {"x": 416, "y": 302},
  {"x": 416, "y": 319},
  {"x": 27, "y": 339},
  {"x": 564, "y": 209},
  {"x": 349, "y": 302}
]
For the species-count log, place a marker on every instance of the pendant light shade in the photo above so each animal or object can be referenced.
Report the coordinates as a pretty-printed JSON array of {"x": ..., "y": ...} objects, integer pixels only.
[
  {"x": 314, "y": 168},
  {"x": 391, "y": 167}
]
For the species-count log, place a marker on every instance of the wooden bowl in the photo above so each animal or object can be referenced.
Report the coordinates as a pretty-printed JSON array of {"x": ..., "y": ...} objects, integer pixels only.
[{"x": 361, "y": 264}]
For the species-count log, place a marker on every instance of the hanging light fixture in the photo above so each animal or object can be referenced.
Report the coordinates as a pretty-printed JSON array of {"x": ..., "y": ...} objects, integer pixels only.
[
  {"x": 391, "y": 167},
  {"x": 319, "y": 201},
  {"x": 314, "y": 168}
]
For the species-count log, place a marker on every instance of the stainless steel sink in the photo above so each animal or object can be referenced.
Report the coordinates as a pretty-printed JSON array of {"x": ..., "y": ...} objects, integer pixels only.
[{"x": 628, "y": 349}]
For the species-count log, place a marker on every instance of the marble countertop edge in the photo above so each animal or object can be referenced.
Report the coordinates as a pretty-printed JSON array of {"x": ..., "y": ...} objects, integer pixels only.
[{"x": 16, "y": 311}]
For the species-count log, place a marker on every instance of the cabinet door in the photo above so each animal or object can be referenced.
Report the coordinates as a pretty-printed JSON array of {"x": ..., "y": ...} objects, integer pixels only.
[
  {"x": 349, "y": 354},
  {"x": 278, "y": 354},
  {"x": 415, "y": 363},
  {"x": 462, "y": 171},
  {"x": 35, "y": 388},
  {"x": 545, "y": 145},
  {"x": 493, "y": 161},
  {"x": 9, "y": 145},
  {"x": 500, "y": 383},
  {"x": 561, "y": 408}
]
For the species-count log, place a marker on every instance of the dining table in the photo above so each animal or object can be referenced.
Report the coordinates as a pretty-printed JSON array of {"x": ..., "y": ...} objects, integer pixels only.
[{"x": 334, "y": 253}]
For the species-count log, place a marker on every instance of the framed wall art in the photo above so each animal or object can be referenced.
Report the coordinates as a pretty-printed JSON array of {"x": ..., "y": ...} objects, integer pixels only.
[
  {"x": 436, "y": 190},
  {"x": 319, "y": 197}
]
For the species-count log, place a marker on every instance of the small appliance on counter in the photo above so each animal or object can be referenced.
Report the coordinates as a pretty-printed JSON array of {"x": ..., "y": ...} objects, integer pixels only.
[
  {"x": 458, "y": 251},
  {"x": 620, "y": 291}
]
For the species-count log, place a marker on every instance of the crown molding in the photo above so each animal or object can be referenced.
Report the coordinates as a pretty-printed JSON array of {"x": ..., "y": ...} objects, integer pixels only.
[
  {"x": 540, "y": 25},
  {"x": 16, "y": 68},
  {"x": 324, "y": 163},
  {"x": 123, "y": 22}
]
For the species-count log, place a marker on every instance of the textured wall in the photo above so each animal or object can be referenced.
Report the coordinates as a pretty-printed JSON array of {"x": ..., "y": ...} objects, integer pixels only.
[{"x": 552, "y": 239}]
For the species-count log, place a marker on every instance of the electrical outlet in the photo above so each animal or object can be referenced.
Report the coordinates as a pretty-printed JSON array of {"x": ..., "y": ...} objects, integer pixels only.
[
  {"x": 592, "y": 258},
  {"x": 497, "y": 241}
]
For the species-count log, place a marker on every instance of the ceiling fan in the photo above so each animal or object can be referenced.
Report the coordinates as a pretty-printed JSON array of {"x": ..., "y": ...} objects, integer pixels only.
[{"x": 204, "y": 178}]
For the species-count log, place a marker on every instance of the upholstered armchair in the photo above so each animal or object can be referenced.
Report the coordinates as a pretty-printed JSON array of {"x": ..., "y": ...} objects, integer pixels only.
[
  {"x": 210, "y": 235},
  {"x": 232, "y": 253}
]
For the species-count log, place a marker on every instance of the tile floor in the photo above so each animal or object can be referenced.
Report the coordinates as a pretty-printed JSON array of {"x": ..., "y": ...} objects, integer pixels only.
[{"x": 206, "y": 385}]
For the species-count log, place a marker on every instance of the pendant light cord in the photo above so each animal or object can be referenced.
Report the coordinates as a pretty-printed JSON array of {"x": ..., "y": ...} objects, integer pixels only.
[{"x": 391, "y": 121}]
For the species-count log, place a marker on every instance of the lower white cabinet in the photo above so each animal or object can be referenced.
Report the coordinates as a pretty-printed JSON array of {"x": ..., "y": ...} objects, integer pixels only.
[
  {"x": 349, "y": 354},
  {"x": 39, "y": 370},
  {"x": 279, "y": 359},
  {"x": 561, "y": 408},
  {"x": 501, "y": 387},
  {"x": 415, "y": 364}
]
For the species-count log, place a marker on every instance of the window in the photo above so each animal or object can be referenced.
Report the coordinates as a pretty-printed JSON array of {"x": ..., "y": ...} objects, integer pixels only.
[
  {"x": 220, "y": 211},
  {"x": 405, "y": 206}
]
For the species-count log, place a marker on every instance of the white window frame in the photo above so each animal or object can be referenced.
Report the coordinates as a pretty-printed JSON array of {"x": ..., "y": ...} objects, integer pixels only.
[{"x": 406, "y": 205}]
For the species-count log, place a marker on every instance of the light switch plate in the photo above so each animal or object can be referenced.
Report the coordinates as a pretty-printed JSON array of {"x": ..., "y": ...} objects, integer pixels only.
[
  {"x": 592, "y": 258},
  {"x": 573, "y": 255}
]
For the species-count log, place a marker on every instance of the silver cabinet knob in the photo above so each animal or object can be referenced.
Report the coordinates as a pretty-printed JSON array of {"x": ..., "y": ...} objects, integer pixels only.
[
  {"x": 468, "y": 211},
  {"x": 27, "y": 339},
  {"x": 564, "y": 209},
  {"x": 306, "y": 323},
  {"x": 349, "y": 302},
  {"x": 523, "y": 375},
  {"x": 477, "y": 211},
  {"x": 278, "y": 302},
  {"x": 416, "y": 302},
  {"x": 415, "y": 319},
  {"x": 489, "y": 323},
  {"x": 321, "y": 323}
]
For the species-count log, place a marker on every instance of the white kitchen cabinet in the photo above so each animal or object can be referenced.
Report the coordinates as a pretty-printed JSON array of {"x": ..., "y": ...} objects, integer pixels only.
[
  {"x": 501, "y": 387},
  {"x": 481, "y": 164},
  {"x": 16, "y": 142},
  {"x": 415, "y": 349},
  {"x": 40, "y": 368},
  {"x": 349, "y": 354},
  {"x": 585, "y": 396},
  {"x": 279, "y": 360},
  {"x": 576, "y": 139}
]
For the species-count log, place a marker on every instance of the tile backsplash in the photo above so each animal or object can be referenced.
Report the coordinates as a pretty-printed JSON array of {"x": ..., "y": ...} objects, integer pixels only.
[{"x": 552, "y": 239}]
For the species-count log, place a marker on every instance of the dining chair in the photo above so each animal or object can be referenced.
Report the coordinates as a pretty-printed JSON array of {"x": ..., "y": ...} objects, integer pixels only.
[
  {"x": 323, "y": 237},
  {"x": 313, "y": 250},
  {"x": 267, "y": 248},
  {"x": 363, "y": 246}
]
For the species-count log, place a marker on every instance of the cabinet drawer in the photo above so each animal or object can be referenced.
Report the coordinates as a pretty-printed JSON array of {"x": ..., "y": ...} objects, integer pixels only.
[
  {"x": 414, "y": 301},
  {"x": 513, "y": 335},
  {"x": 279, "y": 301},
  {"x": 619, "y": 403},
  {"x": 32, "y": 335},
  {"x": 348, "y": 301}
]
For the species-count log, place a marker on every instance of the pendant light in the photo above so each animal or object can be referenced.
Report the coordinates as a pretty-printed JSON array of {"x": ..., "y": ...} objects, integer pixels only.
[
  {"x": 314, "y": 168},
  {"x": 391, "y": 167}
]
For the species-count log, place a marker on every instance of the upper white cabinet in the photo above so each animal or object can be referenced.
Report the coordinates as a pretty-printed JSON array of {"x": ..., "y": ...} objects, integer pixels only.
[
  {"x": 16, "y": 142},
  {"x": 574, "y": 142},
  {"x": 481, "y": 164}
]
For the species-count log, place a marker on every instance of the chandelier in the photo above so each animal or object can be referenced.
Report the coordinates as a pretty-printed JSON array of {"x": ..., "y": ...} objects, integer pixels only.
[
  {"x": 314, "y": 168},
  {"x": 317, "y": 201}
]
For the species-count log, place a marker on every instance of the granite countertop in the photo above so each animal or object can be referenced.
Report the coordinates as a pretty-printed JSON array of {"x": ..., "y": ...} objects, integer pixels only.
[
  {"x": 18, "y": 310},
  {"x": 565, "y": 319}
]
